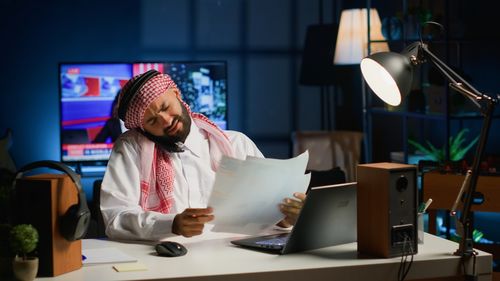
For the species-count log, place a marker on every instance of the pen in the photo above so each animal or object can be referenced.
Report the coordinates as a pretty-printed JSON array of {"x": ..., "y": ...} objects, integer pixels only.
[
  {"x": 426, "y": 205},
  {"x": 421, "y": 207}
]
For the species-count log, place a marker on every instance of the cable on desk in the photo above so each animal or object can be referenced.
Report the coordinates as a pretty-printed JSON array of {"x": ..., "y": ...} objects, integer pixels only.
[{"x": 404, "y": 266}]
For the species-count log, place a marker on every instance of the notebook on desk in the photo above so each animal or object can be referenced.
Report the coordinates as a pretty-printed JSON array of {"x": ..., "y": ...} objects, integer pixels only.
[{"x": 327, "y": 218}]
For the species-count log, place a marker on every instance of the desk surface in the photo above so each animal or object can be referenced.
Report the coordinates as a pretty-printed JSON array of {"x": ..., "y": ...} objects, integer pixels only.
[{"x": 215, "y": 258}]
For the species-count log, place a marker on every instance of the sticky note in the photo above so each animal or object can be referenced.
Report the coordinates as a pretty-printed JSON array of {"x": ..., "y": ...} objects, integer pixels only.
[{"x": 134, "y": 266}]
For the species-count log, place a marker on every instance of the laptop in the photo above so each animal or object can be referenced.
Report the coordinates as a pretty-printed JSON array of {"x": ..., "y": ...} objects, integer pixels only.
[{"x": 327, "y": 218}]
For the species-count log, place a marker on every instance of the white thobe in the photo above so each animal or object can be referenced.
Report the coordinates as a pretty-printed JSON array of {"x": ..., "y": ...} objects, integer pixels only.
[{"x": 123, "y": 216}]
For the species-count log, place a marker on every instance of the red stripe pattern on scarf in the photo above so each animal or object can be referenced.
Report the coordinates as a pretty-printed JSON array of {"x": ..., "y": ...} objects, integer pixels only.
[{"x": 158, "y": 196}]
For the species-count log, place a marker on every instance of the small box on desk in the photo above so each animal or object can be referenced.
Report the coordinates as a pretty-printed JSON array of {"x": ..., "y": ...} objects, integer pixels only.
[{"x": 41, "y": 200}]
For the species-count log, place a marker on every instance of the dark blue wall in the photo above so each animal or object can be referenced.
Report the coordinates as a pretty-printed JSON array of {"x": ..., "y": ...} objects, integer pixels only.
[
  {"x": 36, "y": 36},
  {"x": 262, "y": 50},
  {"x": 261, "y": 40}
]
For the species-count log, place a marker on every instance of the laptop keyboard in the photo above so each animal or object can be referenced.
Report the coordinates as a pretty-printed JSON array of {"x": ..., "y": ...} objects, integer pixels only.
[{"x": 278, "y": 241}]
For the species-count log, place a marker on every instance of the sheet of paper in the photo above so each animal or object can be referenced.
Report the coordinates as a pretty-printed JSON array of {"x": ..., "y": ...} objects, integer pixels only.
[
  {"x": 126, "y": 267},
  {"x": 105, "y": 255},
  {"x": 247, "y": 193}
]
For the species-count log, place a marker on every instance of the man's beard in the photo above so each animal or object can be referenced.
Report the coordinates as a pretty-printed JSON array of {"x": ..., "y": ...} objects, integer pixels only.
[{"x": 171, "y": 143}]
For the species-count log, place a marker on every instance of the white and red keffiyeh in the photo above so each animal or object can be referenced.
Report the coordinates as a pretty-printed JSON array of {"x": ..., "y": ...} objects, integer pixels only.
[
  {"x": 157, "y": 174},
  {"x": 150, "y": 91}
]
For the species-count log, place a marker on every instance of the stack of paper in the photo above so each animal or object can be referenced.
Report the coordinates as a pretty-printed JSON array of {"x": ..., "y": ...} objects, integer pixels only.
[
  {"x": 105, "y": 255},
  {"x": 247, "y": 193}
]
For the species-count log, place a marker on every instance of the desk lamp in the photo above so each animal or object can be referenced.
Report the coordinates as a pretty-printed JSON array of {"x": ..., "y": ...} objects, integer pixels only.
[{"x": 389, "y": 75}]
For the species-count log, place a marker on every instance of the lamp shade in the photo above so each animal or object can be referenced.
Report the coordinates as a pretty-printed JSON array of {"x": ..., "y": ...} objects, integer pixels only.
[
  {"x": 389, "y": 75},
  {"x": 352, "y": 38}
]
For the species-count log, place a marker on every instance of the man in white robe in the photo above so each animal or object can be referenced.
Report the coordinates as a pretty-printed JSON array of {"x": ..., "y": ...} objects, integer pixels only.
[{"x": 161, "y": 171}]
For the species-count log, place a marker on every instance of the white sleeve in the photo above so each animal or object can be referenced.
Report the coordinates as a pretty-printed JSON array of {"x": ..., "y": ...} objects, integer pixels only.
[
  {"x": 243, "y": 145},
  {"x": 120, "y": 196}
]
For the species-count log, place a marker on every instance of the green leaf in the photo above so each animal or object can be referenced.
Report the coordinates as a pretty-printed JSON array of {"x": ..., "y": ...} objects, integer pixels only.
[
  {"x": 422, "y": 149},
  {"x": 456, "y": 143},
  {"x": 460, "y": 154},
  {"x": 438, "y": 154},
  {"x": 457, "y": 152},
  {"x": 477, "y": 235}
]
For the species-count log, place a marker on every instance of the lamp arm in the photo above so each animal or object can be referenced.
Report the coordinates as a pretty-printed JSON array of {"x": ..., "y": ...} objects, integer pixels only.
[
  {"x": 451, "y": 75},
  {"x": 466, "y": 244},
  {"x": 470, "y": 95},
  {"x": 460, "y": 85}
]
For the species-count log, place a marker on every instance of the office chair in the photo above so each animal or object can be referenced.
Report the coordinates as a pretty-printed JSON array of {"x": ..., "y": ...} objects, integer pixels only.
[
  {"x": 330, "y": 149},
  {"x": 98, "y": 222}
]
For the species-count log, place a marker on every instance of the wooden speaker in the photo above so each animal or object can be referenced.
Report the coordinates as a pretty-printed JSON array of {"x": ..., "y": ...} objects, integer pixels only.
[
  {"x": 387, "y": 209},
  {"x": 41, "y": 200}
]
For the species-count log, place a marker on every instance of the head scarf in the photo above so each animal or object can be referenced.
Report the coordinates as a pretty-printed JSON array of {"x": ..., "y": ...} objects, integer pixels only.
[
  {"x": 146, "y": 94},
  {"x": 156, "y": 171}
]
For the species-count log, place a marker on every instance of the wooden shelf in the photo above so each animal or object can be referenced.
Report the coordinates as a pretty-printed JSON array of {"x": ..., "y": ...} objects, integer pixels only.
[{"x": 444, "y": 188}]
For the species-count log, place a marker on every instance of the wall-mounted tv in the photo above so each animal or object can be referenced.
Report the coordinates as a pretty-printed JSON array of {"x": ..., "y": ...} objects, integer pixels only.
[{"x": 88, "y": 94}]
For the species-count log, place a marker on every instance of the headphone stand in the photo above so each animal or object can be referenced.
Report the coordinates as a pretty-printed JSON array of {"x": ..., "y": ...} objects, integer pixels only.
[{"x": 41, "y": 200}]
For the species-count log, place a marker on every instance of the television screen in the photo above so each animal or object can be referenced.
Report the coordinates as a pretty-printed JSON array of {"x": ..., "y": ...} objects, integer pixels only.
[{"x": 88, "y": 97}]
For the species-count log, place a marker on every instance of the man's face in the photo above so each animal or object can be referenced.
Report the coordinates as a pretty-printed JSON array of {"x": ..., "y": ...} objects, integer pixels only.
[{"x": 167, "y": 119}]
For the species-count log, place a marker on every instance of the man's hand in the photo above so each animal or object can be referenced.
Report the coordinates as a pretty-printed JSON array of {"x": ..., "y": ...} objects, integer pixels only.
[
  {"x": 291, "y": 209},
  {"x": 191, "y": 222}
]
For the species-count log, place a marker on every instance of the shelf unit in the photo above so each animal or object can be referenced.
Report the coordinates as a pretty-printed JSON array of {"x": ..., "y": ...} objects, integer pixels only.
[
  {"x": 410, "y": 123},
  {"x": 450, "y": 121}
]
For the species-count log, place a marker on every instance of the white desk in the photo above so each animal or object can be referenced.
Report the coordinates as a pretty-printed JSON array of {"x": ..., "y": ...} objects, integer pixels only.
[{"x": 217, "y": 259}]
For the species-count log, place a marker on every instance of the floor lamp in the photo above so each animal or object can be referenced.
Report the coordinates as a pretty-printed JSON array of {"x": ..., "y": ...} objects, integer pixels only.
[
  {"x": 390, "y": 75},
  {"x": 317, "y": 69},
  {"x": 353, "y": 45}
]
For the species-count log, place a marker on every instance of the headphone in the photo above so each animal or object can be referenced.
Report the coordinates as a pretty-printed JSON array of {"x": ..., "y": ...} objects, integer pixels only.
[
  {"x": 73, "y": 225},
  {"x": 134, "y": 89}
]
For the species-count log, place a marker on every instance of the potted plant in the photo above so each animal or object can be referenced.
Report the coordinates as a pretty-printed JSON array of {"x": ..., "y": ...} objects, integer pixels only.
[
  {"x": 457, "y": 150},
  {"x": 23, "y": 241}
]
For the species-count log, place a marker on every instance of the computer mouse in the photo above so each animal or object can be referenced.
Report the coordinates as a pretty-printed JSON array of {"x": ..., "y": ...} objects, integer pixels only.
[{"x": 170, "y": 249}]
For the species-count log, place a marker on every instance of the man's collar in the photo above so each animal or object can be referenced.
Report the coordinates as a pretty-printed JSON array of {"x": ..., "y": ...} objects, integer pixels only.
[{"x": 194, "y": 140}]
